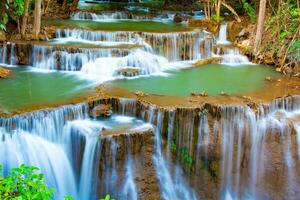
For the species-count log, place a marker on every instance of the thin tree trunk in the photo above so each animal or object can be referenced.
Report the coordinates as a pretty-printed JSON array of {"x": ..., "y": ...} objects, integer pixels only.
[
  {"x": 25, "y": 17},
  {"x": 260, "y": 25},
  {"x": 218, "y": 10},
  {"x": 37, "y": 18}
]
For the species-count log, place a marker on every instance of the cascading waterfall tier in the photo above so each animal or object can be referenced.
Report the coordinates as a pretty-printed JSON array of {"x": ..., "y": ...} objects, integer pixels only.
[
  {"x": 100, "y": 17},
  {"x": 72, "y": 150},
  {"x": 235, "y": 151},
  {"x": 174, "y": 46},
  {"x": 107, "y": 16},
  {"x": 69, "y": 59}
]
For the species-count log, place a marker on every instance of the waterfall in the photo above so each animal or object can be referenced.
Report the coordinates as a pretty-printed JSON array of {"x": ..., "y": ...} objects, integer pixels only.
[
  {"x": 232, "y": 56},
  {"x": 54, "y": 58},
  {"x": 172, "y": 186},
  {"x": 21, "y": 147},
  {"x": 99, "y": 17},
  {"x": 46, "y": 138},
  {"x": 8, "y": 54},
  {"x": 222, "y": 39},
  {"x": 145, "y": 62},
  {"x": 174, "y": 46},
  {"x": 237, "y": 145}
]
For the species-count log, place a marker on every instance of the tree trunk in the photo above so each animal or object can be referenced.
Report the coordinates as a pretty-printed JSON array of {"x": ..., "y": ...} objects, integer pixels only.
[
  {"x": 37, "y": 18},
  {"x": 218, "y": 10},
  {"x": 260, "y": 25},
  {"x": 25, "y": 17}
]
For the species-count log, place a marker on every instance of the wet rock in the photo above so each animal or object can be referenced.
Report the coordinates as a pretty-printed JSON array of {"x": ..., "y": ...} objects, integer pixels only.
[
  {"x": 178, "y": 18},
  {"x": 208, "y": 61},
  {"x": 203, "y": 94},
  {"x": 235, "y": 29},
  {"x": 223, "y": 93},
  {"x": 268, "y": 78},
  {"x": 278, "y": 69},
  {"x": 129, "y": 72},
  {"x": 193, "y": 94},
  {"x": 205, "y": 24},
  {"x": 4, "y": 73},
  {"x": 101, "y": 110},
  {"x": 139, "y": 94},
  {"x": 2, "y": 36}
]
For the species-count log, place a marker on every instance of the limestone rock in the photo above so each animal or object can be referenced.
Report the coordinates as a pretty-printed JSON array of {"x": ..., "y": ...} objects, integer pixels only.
[
  {"x": 268, "y": 78},
  {"x": 129, "y": 72},
  {"x": 203, "y": 94},
  {"x": 207, "y": 61},
  {"x": 101, "y": 110},
  {"x": 207, "y": 24},
  {"x": 4, "y": 73}
]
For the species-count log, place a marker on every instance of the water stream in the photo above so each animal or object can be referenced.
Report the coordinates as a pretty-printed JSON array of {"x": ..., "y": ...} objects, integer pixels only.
[{"x": 209, "y": 152}]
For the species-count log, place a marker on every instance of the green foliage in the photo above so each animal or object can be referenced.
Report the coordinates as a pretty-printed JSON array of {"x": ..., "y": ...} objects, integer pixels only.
[
  {"x": 18, "y": 6},
  {"x": 68, "y": 198},
  {"x": 3, "y": 22},
  {"x": 215, "y": 18},
  {"x": 186, "y": 158},
  {"x": 173, "y": 147},
  {"x": 24, "y": 183},
  {"x": 184, "y": 155},
  {"x": 283, "y": 25},
  {"x": 295, "y": 49},
  {"x": 107, "y": 197},
  {"x": 250, "y": 11}
]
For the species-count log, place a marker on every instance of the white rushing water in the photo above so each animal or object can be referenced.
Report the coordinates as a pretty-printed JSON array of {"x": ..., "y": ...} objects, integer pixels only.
[
  {"x": 222, "y": 39},
  {"x": 8, "y": 54},
  {"x": 107, "y": 16},
  {"x": 247, "y": 155},
  {"x": 65, "y": 144}
]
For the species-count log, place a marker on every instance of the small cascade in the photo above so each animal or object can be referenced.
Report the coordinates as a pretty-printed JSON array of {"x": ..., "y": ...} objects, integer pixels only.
[
  {"x": 222, "y": 39},
  {"x": 54, "y": 58},
  {"x": 100, "y": 17},
  {"x": 232, "y": 56},
  {"x": 145, "y": 62},
  {"x": 173, "y": 46},
  {"x": 40, "y": 133},
  {"x": 8, "y": 54}
]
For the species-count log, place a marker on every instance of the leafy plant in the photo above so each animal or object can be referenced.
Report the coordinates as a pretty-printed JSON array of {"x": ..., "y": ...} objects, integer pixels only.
[
  {"x": 250, "y": 11},
  {"x": 24, "y": 183},
  {"x": 173, "y": 147},
  {"x": 19, "y": 7},
  {"x": 186, "y": 158},
  {"x": 107, "y": 197},
  {"x": 3, "y": 22}
]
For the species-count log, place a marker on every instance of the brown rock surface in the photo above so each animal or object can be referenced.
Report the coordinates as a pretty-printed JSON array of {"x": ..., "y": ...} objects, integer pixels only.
[
  {"x": 101, "y": 110},
  {"x": 129, "y": 72},
  {"x": 4, "y": 73}
]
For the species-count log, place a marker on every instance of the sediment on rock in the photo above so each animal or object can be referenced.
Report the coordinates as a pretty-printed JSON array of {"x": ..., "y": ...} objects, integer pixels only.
[{"x": 4, "y": 73}]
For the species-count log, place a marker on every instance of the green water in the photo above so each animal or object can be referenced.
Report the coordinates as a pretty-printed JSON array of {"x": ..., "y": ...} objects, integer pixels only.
[
  {"x": 213, "y": 79},
  {"x": 26, "y": 88},
  {"x": 123, "y": 25}
]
